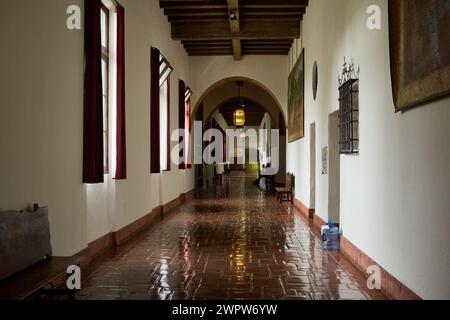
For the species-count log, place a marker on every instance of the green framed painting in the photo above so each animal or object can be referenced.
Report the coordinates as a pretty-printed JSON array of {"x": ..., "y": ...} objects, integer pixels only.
[
  {"x": 420, "y": 51},
  {"x": 296, "y": 100}
]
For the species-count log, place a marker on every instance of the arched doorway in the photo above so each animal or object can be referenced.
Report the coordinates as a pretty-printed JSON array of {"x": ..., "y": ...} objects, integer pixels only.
[
  {"x": 267, "y": 94},
  {"x": 215, "y": 109}
]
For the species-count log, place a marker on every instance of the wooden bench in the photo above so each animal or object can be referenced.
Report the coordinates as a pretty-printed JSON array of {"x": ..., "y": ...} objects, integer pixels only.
[
  {"x": 40, "y": 281},
  {"x": 285, "y": 193},
  {"x": 27, "y": 268}
]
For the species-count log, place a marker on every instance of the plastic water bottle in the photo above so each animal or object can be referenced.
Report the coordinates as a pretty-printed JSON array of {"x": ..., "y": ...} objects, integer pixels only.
[
  {"x": 322, "y": 232},
  {"x": 331, "y": 237}
]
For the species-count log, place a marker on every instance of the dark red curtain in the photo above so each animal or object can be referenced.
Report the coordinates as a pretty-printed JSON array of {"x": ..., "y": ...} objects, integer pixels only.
[
  {"x": 93, "y": 170},
  {"x": 181, "y": 114},
  {"x": 121, "y": 141},
  {"x": 155, "y": 166}
]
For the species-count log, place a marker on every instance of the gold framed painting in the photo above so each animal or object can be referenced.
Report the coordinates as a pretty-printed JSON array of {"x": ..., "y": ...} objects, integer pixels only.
[
  {"x": 420, "y": 51},
  {"x": 296, "y": 100}
]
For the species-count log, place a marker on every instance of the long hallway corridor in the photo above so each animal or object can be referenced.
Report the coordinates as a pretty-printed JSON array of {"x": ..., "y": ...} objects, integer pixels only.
[{"x": 233, "y": 242}]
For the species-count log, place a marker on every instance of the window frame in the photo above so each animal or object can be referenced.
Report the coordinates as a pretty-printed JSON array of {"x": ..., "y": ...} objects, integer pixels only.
[
  {"x": 349, "y": 117},
  {"x": 161, "y": 71},
  {"x": 105, "y": 52},
  {"x": 165, "y": 167}
]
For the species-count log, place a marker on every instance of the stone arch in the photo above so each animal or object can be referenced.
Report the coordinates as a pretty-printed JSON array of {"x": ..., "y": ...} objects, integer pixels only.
[
  {"x": 211, "y": 113},
  {"x": 246, "y": 80}
]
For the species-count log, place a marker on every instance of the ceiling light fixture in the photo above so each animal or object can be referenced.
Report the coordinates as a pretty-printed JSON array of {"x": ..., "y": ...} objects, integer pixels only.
[
  {"x": 239, "y": 113},
  {"x": 233, "y": 15}
]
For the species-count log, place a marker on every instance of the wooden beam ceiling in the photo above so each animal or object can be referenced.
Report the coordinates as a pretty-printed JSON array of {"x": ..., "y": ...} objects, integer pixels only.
[
  {"x": 233, "y": 16},
  {"x": 249, "y": 30},
  {"x": 235, "y": 27},
  {"x": 237, "y": 50}
]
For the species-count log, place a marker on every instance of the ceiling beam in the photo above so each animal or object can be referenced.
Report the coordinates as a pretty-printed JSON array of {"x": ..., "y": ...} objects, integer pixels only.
[
  {"x": 219, "y": 30},
  {"x": 223, "y": 3},
  {"x": 235, "y": 27},
  {"x": 273, "y": 40},
  {"x": 198, "y": 13},
  {"x": 237, "y": 52},
  {"x": 267, "y": 53},
  {"x": 204, "y": 45},
  {"x": 229, "y": 49},
  {"x": 215, "y": 18},
  {"x": 180, "y": 5},
  {"x": 240, "y": 12},
  {"x": 192, "y": 3},
  {"x": 192, "y": 54},
  {"x": 233, "y": 6},
  {"x": 274, "y": 3}
]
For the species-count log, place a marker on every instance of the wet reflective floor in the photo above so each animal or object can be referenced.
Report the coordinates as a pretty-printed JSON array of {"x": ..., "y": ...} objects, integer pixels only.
[{"x": 233, "y": 242}]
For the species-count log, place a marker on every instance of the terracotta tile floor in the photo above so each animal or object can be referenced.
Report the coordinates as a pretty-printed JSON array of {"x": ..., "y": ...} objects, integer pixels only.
[{"x": 234, "y": 242}]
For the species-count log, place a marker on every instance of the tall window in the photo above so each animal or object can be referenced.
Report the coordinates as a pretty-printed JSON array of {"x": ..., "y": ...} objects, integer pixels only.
[
  {"x": 165, "y": 70},
  {"x": 104, "y": 96},
  {"x": 159, "y": 112},
  {"x": 104, "y": 23}
]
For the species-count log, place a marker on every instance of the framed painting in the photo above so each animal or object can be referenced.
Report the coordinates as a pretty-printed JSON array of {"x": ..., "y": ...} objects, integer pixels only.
[
  {"x": 296, "y": 100},
  {"x": 420, "y": 51}
]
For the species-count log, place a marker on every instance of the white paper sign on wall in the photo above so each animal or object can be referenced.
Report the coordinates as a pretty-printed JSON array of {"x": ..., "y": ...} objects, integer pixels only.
[{"x": 325, "y": 160}]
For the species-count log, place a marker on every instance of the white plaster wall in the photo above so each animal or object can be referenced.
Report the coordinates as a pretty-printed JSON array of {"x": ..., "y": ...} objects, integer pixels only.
[
  {"x": 270, "y": 71},
  {"x": 394, "y": 194},
  {"x": 41, "y": 132},
  {"x": 334, "y": 172},
  {"x": 41, "y": 122},
  {"x": 128, "y": 200}
]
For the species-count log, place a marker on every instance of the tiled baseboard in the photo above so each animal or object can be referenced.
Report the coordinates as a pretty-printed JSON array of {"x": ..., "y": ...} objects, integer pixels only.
[
  {"x": 112, "y": 239},
  {"x": 390, "y": 286},
  {"x": 309, "y": 213}
]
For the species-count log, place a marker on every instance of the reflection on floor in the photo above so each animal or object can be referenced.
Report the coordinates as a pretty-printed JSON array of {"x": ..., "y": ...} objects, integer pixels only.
[{"x": 234, "y": 242}]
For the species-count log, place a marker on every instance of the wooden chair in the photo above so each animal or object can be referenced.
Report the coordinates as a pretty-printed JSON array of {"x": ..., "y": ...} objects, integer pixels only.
[{"x": 285, "y": 193}]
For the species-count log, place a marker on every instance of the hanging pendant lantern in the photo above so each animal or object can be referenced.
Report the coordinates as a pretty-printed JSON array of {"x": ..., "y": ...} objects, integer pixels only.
[
  {"x": 239, "y": 113},
  {"x": 239, "y": 117}
]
